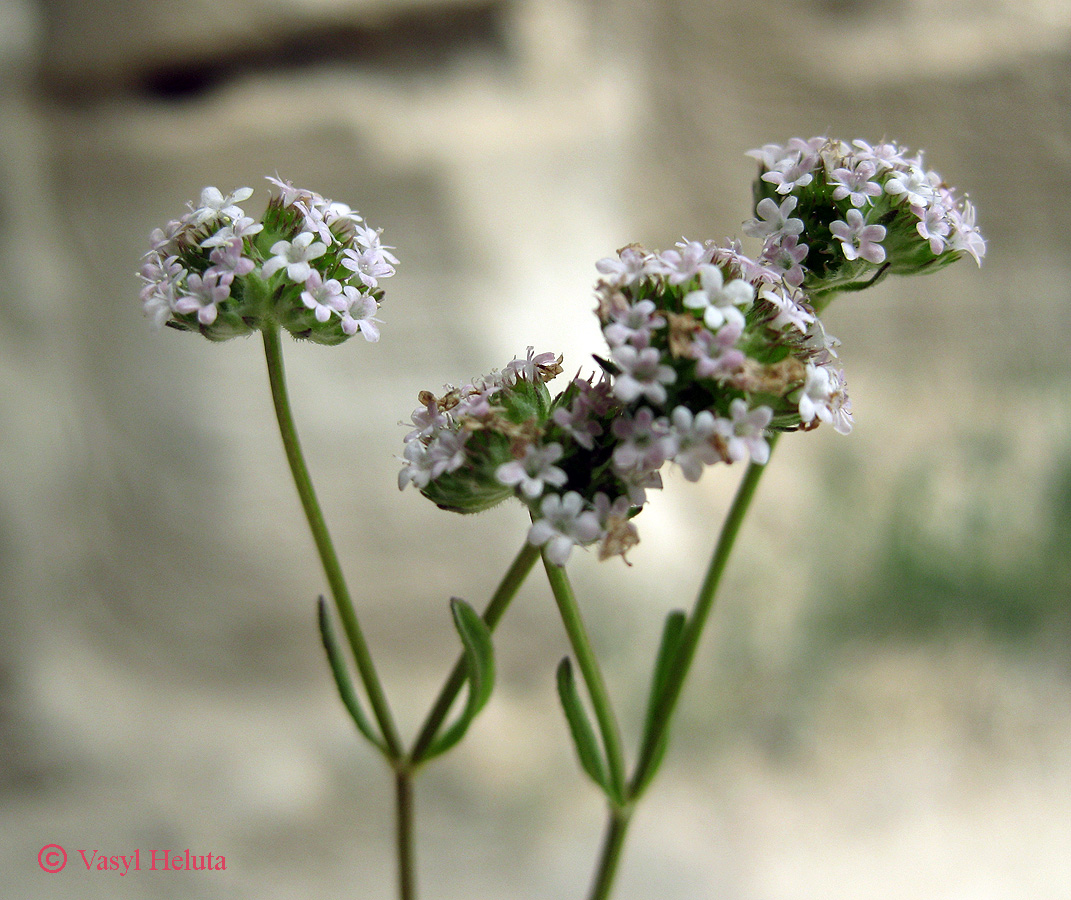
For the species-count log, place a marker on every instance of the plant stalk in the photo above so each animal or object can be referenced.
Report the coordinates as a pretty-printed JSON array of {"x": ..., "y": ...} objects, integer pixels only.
[{"x": 332, "y": 569}]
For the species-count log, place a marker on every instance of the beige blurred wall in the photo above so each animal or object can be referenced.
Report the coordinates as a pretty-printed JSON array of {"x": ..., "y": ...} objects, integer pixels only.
[{"x": 160, "y": 672}]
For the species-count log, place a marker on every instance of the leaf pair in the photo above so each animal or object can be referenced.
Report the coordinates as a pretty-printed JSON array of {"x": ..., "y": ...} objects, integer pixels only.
[
  {"x": 591, "y": 754},
  {"x": 479, "y": 657}
]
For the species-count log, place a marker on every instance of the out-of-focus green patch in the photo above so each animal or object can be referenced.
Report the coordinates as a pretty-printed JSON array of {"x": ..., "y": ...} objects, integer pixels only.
[{"x": 983, "y": 560}]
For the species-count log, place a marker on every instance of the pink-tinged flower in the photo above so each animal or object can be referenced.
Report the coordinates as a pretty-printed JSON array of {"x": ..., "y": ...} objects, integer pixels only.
[
  {"x": 323, "y": 297},
  {"x": 294, "y": 256},
  {"x": 785, "y": 255},
  {"x": 855, "y": 184},
  {"x": 203, "y": 296},
  {"x": 529, "y": 475},
  {"x": 563, "y": 523},
  {"x": 933, "y": 226},
  {"x": 370, "y": 264},
  {"x": 643, "y": 374},
  {"x": 745, "y": 433},
  {"x": 693, "y": 441},
  {"x": 859, "y": 240},
  {"x": 532, "y": 367},
  {"x": 632, "y": 324},
  {"x": 884, "y": 156},
  {"x": 227, "y": 259},
  {"x": 683, "y": 263},
  {"x": 718, "y": 300},
  {"x": 774, "y": 219},
  {"x": 715, "y": 353},
  {"x": 641, "y": 444},
  {"x": 792, "y": 172}
]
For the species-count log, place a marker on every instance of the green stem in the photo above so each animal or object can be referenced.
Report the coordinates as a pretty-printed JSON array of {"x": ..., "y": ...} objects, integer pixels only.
[
  {"x": 339, "y": 592},
  {"x": 496, "y": 608},
  {"x": 613, "y": 844},
  {"x": 693, "y": 629},
  {"x": 617, "y": 823},
  {"x": 589, "y": 668},
  {"x": 403, "y": 793}
]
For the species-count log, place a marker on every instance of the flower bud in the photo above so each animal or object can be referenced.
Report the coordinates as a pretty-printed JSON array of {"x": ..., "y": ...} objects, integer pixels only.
[{"x": 310, "y": 265}]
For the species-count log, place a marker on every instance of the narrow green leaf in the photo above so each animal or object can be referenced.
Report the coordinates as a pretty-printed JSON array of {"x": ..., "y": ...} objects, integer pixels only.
[
  {"x": 672, "y": 632},
  {"x": 337, "y": 660},
  {"x": 587, "y": 747},
  {"x": 480, "y": 658}
]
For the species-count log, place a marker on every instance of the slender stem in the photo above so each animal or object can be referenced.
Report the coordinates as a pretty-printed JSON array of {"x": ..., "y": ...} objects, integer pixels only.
[
  {"x": 693, "y": 629},
  {"x": 403, "y": 794},
  {"x": 589, "y": 668},
  {"x": 613, "y": 844},
  {"x": 496, "y": 608},
  {"x": 343, "y": 603},
  {"x": 618, "y": 820}
]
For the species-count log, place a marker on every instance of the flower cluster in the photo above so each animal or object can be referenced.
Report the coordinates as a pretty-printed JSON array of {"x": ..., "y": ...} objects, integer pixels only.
[
  {"x": 310, "y": 265},
  {"x": 710, "y": 351},
  {"x": 502, "y": 435},
  {"x": 836, "y": 217}
]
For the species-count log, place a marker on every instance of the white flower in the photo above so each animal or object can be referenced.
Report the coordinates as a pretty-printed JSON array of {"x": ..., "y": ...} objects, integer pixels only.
[
  {"x": 683, "y": 263},
  {"x": 719, "y": 300},
  {"x": 933, "y": 226},
  {"x": 563, "y": 524},
  {"x": 243, "y": 226},
  {"x": 416, "y": 467},
  {"x": 825, "y": 397},
  {"x": 814, "y": 401},
  {"x": 536, "y": 469},
  {"x": 322, "y": 297},
  {"x": 214, "y": 205},
  {"x": 294, "y": 256},
  {"x": 358, "y": 314},
  {"x": 790, "y": 312},
  {"x": 912, "y": 185},
  {"x": 774, "y": 219},
  {"x": 629, "y": 267}
]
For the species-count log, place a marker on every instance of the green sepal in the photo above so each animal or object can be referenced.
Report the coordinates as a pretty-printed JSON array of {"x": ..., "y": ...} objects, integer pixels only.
[
  {"x": 587, "y": 747},
  {"x": 672, "y": 632},
  {"x": 480, "y": 660},
  {"x": 337, "y": 660}
]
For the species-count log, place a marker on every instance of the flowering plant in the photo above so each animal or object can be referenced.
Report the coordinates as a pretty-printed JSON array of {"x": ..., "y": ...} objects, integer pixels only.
[{"x": 710, "y": 356}]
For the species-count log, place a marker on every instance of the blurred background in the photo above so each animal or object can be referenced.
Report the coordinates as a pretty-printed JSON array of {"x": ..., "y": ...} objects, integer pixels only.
[{"x": 882, "y": 706}]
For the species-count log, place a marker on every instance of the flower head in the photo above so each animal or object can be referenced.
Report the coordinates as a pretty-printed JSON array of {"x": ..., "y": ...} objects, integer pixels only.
[{"x": 309, "y": 265}]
